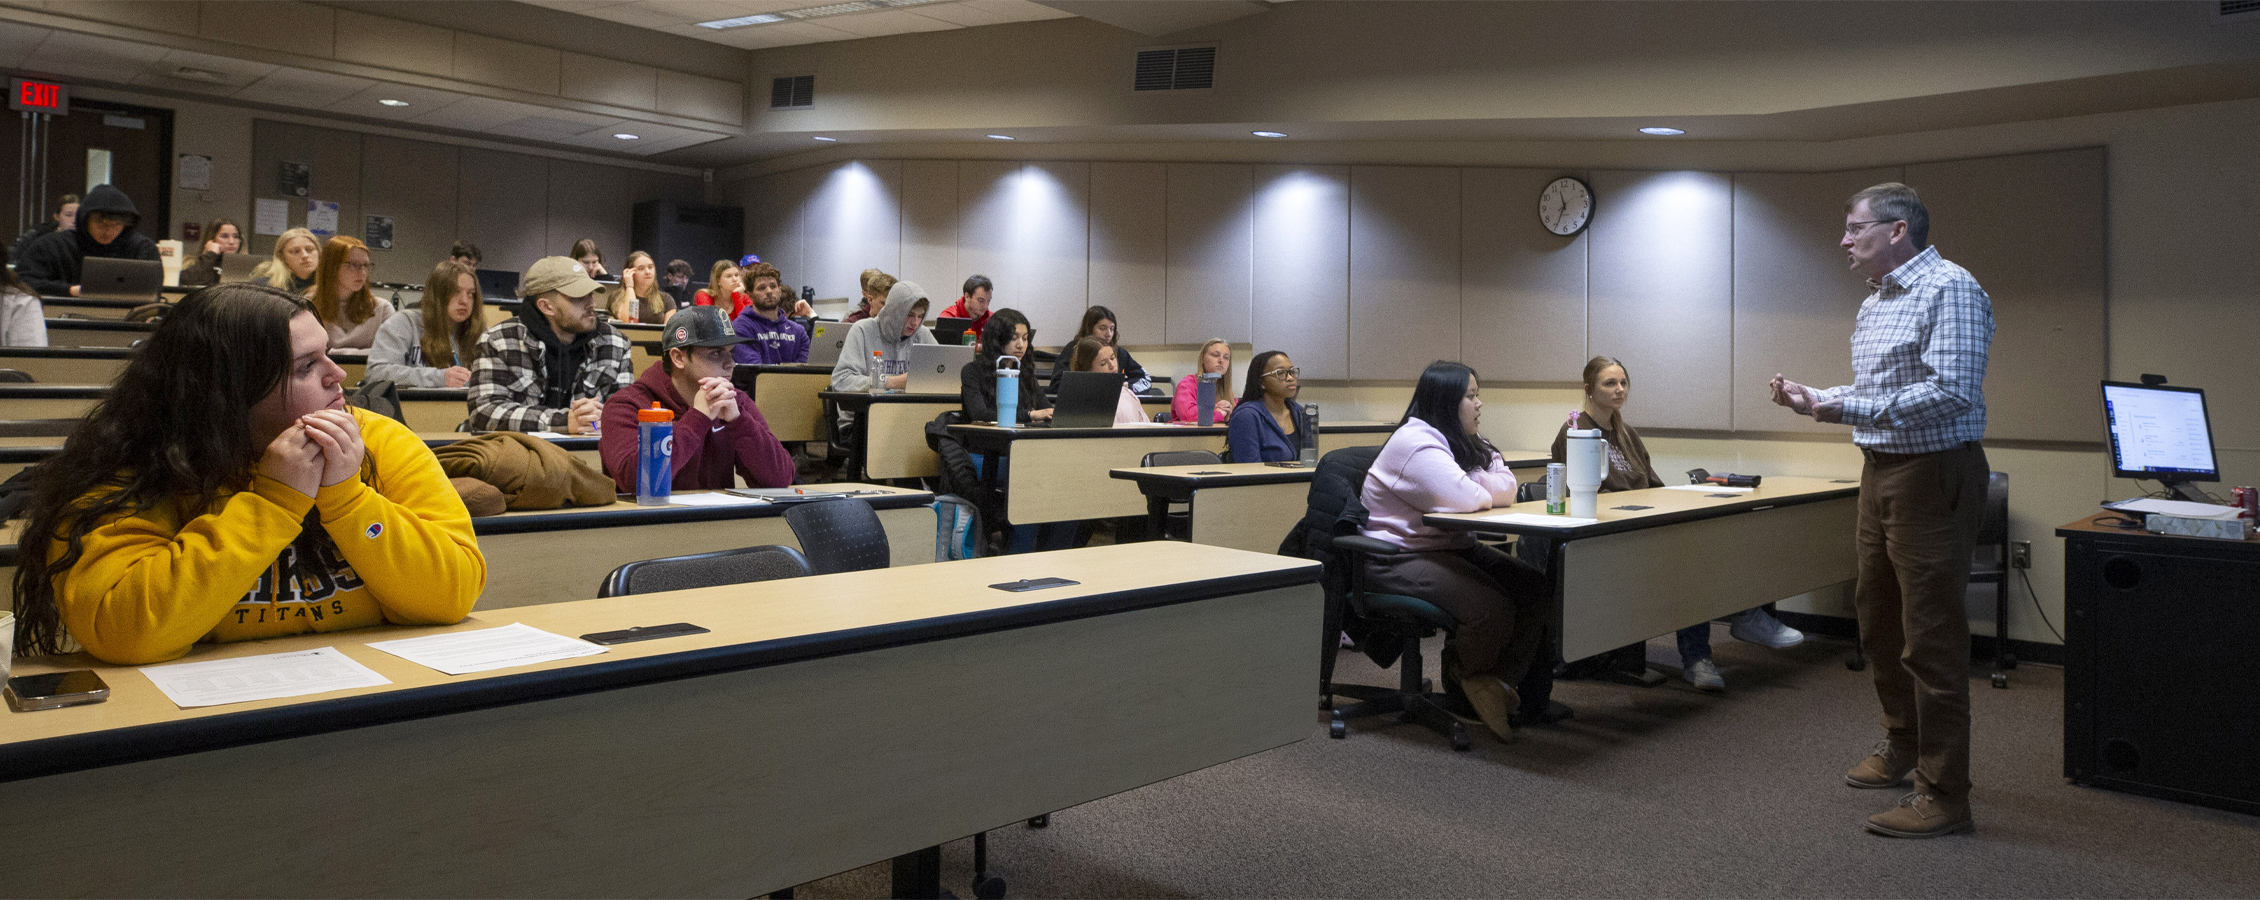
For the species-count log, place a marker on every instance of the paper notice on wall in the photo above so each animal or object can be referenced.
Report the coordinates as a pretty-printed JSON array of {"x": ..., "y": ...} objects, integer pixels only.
[
  {"x": 321, "y": 218},
  {"x": 195, "y": 172},
  {"x": 270, "y": 216}
]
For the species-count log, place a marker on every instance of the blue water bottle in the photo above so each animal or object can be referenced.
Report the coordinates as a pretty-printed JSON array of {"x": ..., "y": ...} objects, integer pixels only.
[
  {"x": 655, "y": 455},
  {"x": 1008, "y": 392}
]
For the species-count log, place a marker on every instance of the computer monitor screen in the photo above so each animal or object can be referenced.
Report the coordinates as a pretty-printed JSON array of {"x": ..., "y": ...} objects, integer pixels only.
[
  {"x": 2159, "y": 432},
  {"x": 498, "y": 284}
]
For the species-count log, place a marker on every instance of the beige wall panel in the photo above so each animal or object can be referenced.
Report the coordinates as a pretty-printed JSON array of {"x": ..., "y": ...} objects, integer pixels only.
[
  {"x": 1794, "y": 299},
  {"x": 779, "y": 201},
  {"x": 507, "y": 64},
  {"x": 168, "y": 16},
  {"x": 929, "y": 226},
  {"x": 394, "y": 44},
  {"x": 2184, "y": 188},
  {"x": 503, "y": 207},
  {"x": 1522, "y": 288},
  {"x": 1662, "y": 246},
  {"x": 853, "y": 222},
  {"x": 2031, "y": 229},
  {"x": 1028, "y": 225},
  {"x": 1129, "y": 249},
  {"x": 589, "y": 201},
  {"x": 1300, "y": 302},
  {"x": 600, "y": 80},
  {"x": 1404, "y": 269},
  {"x": 1211, "y": 242},
  {"x": 290, "y": 27},
  {"x": 415, "y": 183},
  {"x": 336, "y": 160},
  {"x": 712, "y": 99}
]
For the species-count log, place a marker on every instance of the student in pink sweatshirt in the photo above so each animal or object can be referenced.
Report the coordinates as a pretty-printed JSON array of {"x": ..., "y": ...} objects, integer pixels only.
[{"x": 1437, "y": 462}]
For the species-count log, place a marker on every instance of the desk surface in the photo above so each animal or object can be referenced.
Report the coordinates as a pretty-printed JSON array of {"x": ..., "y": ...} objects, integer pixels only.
[
  {"x": 1241, "y": 474},
  {"x": 66, "y": 353},
  {"x": 866, "y": 398},
  {"x": 1666, "y": 506},
  {"x": 994, "y": 433},
  {"x": 2091, "y": 527},
  {"x": 751, "y": 626},
  {"x": 626, "y": 512}
]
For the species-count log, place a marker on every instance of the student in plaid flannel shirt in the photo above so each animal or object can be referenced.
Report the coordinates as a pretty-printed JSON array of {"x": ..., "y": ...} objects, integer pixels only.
[{"x": 551, "y": 366}]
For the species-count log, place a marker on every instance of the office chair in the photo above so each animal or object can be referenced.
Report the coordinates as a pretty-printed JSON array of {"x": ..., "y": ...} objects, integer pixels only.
[
  {"x": 16, "y": 376},
  {"x": 1989, "y": 563},
  {"x": 841, "y": 535},
  {"x": 1177, "y": 523},
  {"x": 697, "y": 570},
  {"x": 1388, "y": 627}
]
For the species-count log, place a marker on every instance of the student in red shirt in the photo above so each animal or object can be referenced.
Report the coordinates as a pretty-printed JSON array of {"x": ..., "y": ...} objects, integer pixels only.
[
  {"x": 718, "y": 430},
  {"x": 973, "y": 304}
]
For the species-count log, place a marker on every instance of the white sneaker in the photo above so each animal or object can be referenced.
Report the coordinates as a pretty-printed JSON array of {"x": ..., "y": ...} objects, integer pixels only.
[
  {"x": 1754, "y": 626},
  {"x": 1704, "y": 675}
]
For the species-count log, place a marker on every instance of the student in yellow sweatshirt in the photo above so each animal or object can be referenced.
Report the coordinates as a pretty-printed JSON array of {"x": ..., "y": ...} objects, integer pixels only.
[{"x": 225, "y": 492}]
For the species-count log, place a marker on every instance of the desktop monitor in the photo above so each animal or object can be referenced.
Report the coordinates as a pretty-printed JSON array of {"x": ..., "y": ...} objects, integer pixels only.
[{"x": 2160, "y": 433}]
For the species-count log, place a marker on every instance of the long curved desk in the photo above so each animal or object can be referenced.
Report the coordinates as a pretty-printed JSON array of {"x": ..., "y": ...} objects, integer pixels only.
[
  {"x": 1247, "y": 506},
  {"x": 1064, "y": 474}
]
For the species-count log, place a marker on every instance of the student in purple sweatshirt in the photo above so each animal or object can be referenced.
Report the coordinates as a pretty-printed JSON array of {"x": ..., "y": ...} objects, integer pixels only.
[
  {"x": 772, "y": 337},
  {"x": 1436, "y": 462}
]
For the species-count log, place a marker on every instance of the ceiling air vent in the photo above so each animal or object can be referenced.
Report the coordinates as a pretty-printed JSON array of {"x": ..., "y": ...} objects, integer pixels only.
[
  {"x": 2238, "y": 8},
  {"x": 793, "y": 92},
  {"x": 1181, "y": 69}
]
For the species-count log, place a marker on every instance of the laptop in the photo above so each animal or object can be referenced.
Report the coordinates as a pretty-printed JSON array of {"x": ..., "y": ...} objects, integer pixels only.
[
  {"x": 825, "y": 340},
  {"x": 498, "y": 284},
  {"x": 1087, "y": 399},
  {"x": 103, "y": 278},
  {"x": 235, "y": 267},
  {"x": 951, "y": 329},
  {"x": 934, "y": 368}
]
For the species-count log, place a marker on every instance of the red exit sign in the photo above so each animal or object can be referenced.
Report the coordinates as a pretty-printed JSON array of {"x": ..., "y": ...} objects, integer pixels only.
[{"x": 39, "y": 96}]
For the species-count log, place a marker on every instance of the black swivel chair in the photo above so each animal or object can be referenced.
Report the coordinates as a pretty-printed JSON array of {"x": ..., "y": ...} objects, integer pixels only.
[
  {"x": 1989, "y": 564},
  {"x": 16, "y": 376},
  {"x": 1168, "y": 520},
  {"x": 1388, "y": 627},
  {"x": 697, "y": 570}
]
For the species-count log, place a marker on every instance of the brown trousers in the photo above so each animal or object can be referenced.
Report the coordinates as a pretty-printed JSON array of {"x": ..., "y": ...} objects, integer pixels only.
[
  {"x": 1502, "y": 603},
  {"x": 1918, "y": 525}
]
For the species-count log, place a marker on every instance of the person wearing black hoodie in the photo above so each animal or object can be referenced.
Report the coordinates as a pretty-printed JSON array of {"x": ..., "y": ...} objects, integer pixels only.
[
  {"x": 551, "y": 366},
  {"x": 51, "y": 264}
]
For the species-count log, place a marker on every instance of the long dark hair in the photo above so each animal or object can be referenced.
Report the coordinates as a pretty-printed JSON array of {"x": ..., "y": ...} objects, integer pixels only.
[
  {"x": 1253, "y": 393},
  {"x": 175, "y": 429},
  {"x": 1436, "y": 400},
  {"x": 1091, "y": 319},
  {"x": 442, "y": 337},
  {"x": 996, "y": 334}
]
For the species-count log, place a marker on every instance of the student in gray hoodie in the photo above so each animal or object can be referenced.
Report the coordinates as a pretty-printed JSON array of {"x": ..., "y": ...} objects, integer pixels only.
[{"x": 886, "y": 336}]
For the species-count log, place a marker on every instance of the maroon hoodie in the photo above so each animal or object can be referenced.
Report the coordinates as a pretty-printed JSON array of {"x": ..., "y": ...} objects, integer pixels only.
[{"x": 705, "y": 450}]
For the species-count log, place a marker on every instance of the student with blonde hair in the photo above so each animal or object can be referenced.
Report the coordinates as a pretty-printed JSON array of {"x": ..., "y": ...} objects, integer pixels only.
[
  {"x": 639, "y": 298},
  {"x": 725, "y": 283},
  {"x": 875, "y": 285},
  {"x": 1215, "y": 357},
  {"x": 341, "y": 295},
  {"x": 297, "y": 254},
  {"x": 435, "y": 344}
]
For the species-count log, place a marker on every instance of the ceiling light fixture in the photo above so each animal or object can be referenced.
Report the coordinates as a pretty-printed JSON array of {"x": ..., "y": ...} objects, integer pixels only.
[
  {"x": 826, "y": 139},
  {"x": 1000, "y": 137},
  {"x": 1268, "y": 133},
  {"x": 626, "y": 136},
  {"x": 1660, "y": 130},
  {"x": 393, "y": 102},
  {"x": 813, "y": 12}
]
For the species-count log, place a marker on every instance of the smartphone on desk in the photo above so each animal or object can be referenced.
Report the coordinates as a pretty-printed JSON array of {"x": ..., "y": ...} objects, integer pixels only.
[{"x": 55, "y": 690}]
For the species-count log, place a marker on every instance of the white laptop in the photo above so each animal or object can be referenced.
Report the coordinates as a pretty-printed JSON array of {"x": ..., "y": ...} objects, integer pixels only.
[
  {"x": 934, "y": 368},
  {"x": 235, "y": 267},
  {"x": 825, "y": 340}
]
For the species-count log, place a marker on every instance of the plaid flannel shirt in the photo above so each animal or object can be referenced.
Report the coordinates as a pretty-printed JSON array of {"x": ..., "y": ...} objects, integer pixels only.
[
  {"x": 1918, "y": 360},
  {"x": 507, "y": 381}
]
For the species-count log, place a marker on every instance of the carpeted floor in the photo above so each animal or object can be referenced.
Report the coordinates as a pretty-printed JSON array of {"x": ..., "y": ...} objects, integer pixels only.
[{"x": 1658, "y": 792}]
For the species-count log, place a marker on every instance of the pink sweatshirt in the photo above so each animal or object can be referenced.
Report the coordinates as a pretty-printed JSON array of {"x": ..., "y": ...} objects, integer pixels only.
[
  {"x": 1415, "y": 475},
  {"x": 1129, "y": 410}
]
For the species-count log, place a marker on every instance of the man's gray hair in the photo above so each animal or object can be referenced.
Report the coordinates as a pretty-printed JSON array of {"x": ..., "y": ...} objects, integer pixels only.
[{"x": 1895, "y": 202}]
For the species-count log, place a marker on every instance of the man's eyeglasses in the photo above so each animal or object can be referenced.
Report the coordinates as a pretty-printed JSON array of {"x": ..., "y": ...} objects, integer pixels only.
[
  {"x": 1851, "y": 228},
  {"x": 1289, "y": 372}
]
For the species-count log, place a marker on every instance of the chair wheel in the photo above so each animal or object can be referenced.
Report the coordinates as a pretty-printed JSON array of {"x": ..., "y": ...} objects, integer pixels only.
[
  {"x": 1856, "y": 663},
  {"x": 1459, "y": 738},
  {"x": 990, "y": 888},
  {"x": 1042, "y": 821},
  {"x": 1337, "y": 729},
  {"x": 2000, "y": 680}
]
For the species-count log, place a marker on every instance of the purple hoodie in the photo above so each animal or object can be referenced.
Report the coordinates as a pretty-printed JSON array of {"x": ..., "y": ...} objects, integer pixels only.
[{"x": 774, "y": 343}]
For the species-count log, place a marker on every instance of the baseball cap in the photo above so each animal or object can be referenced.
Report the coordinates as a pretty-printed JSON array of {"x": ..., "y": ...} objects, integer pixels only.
[
  {"x": 748, "y": 260},
  {"x": 698, "y": 326},
  {"x": 557, "y": 273}
]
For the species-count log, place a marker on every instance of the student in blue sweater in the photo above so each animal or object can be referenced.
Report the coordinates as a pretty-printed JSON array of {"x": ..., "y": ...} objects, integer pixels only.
[{"x": 1268, "y": 424}]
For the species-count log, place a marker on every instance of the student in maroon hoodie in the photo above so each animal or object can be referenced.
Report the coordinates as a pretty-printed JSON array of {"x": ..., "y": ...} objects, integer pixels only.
[{"x": 718, "y": 431}]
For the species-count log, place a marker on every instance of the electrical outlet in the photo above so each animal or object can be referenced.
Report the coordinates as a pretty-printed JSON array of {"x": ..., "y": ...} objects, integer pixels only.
[{"x": 2020, "y": 554}]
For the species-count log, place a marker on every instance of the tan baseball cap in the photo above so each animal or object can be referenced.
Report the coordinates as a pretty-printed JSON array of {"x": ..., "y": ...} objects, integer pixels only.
[{"x": 557, "y": 273}]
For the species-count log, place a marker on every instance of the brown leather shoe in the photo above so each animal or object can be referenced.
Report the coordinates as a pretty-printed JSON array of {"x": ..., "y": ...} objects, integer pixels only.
[
  {"x": 1885, "y": 767},
  {"x": 1493, "y": 701},
  {"x": 1921, "y": 815}
]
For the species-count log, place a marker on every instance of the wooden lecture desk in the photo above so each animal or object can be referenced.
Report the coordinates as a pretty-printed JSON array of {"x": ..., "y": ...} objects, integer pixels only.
[
  {"x": 786, "y": 396},
  {"x": 89, "y": 307},
  {"x": 1245, "y": 506},
  {"x": 1064, "y": 474},
  {"x": 435, "y": 409},
  {"x": 643, "y": 343},
  {"x": 890, "y": 438},
  {"x": 545, "y": 556},
  {"x": 1688, "y": 557},
  {"x": 820, "y": 726},
  {"x": 96, "y": 332},
  {"x": 67, "y": 365}
]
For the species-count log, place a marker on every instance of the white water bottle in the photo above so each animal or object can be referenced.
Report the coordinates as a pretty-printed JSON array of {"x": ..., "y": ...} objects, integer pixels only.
[{"x": 1587, "y": 456}]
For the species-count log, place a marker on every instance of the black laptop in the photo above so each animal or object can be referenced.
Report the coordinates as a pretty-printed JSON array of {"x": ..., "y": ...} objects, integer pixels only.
[
  {"x": 950, "y": 330},
  {"x": 1087, "y": 399}
]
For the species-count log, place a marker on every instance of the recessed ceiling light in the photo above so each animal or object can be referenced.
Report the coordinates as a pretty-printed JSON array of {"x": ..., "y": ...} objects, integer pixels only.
[
  {"x": 626, "y": 136},
  {"x": 742, "y": 21},
  {"x": 1000, "y": 137},
  {"x": 393, "y": 102},
  {"x": 826, "y": 139},
  {"x": 1269, "y": 133},
  {"x": 812, "y": 12},
  {"x": 1658, "y": 129}
]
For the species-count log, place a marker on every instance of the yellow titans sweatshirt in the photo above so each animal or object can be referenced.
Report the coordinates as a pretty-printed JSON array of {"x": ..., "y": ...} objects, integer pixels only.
[{"x": 151, "y": 584}]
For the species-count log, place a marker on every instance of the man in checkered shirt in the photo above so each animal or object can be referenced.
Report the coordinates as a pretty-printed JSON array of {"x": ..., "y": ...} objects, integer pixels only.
[
  {"x": 1917, "y": 408},
  {"x": 551, "y": 366}
]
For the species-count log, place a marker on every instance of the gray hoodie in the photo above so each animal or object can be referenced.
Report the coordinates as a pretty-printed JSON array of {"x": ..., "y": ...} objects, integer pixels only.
[{"x": 882, "y": 333}]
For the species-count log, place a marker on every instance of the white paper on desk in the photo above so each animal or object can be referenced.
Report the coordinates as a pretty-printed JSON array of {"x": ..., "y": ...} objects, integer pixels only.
[
  {"x": 717, "y": 498},
  {"x": 1708, "y": 488},
  {"x": 464, "y": 652},
  {"x": 266, "y": 677},
  {"x": 2175, "y": 508},
  {"x": 1539, "y": 520},
  {"x": 549, "y": 435}
]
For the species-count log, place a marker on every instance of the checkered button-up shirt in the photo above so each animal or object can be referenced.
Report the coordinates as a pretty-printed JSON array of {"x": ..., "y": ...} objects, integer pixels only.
[
  {"x": 509, "y": 379},
  {"x": 1918, "y": 360}
]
